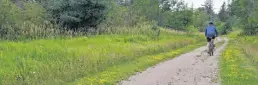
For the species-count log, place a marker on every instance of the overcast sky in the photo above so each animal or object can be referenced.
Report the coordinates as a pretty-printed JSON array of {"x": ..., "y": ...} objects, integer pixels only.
[{"x": 198, "y": 3}]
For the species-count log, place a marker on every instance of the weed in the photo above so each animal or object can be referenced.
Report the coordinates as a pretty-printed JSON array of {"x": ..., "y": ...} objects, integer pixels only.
[
  {"x": 239, "y": 61},
  {"x": 62, "y": 61}
]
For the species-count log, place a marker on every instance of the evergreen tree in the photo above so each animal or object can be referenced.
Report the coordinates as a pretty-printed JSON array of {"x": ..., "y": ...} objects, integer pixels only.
[
  {"x": 208, "y": 5},
  {"x": 223, "y": 14},
  {"x": 76, "y": 13}
]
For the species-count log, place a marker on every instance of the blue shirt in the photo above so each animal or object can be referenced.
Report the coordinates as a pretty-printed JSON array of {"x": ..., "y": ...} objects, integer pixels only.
[{"x": 211, "y": 31}]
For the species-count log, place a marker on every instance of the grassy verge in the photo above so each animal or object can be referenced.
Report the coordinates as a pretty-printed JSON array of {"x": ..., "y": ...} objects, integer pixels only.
[
  {"x": 62, "y": 61},
  {"x": 239, "y": 61},
  {"x": 220, "y": 43},
  {"x": 120, "y": 72}
]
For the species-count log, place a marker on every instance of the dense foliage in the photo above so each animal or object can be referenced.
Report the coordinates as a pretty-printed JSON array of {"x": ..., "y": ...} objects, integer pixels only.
[
  {"x": 44, "y": 18},
  {"x": 15, "y": 21},
  {"x": 76, "y": 13},
  {"x": 224, "y": 17},
  {"x": 246, "y": 11},
  {"x": 30, "y": 18}
]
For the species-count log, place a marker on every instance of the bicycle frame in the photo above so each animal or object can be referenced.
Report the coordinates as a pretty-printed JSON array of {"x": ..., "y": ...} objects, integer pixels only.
[{"x": 211, "y": 47}]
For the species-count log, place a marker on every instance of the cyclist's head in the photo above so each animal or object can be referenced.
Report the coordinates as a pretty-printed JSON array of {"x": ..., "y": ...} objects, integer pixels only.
[{"x": 210, "y": 23}]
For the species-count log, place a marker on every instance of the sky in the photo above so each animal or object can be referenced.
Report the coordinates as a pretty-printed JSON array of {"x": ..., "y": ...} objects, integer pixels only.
[{"x": 198, "y": 3}]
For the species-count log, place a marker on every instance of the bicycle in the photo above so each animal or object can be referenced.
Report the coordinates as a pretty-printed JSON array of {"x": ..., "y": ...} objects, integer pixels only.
[{"x": 211, "y": 47}]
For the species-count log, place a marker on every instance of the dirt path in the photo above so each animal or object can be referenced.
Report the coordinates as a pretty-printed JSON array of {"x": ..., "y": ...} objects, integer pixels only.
[{"x": 193, "y": 68}]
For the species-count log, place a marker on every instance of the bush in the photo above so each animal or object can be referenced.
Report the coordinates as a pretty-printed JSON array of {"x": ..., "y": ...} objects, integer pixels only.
[
  {"x": 27, "y": 23},
  {"x": 227, "y": 27},
  {"x": 191, "y": 29},
  {"x": 76, "y": 14}
]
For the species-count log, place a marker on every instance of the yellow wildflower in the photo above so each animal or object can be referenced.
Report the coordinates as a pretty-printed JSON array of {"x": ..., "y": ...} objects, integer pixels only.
[
  {"x": 91, "y": 79},
  {"x": 230, "y": 74},
  {"x": 1, "y": 54},
  {"x": 102, "y": 81},
  {"x": 157, "y": 58},
  {"x": 242, "y": 76}
]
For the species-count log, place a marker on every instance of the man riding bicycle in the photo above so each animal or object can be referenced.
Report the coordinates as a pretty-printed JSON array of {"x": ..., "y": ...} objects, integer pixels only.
[{"x": 211, "y": 32}]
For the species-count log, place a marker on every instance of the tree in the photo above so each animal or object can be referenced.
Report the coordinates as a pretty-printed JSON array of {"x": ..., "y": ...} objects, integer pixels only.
[
  {"x": 225, "y": 18},
  {"x": 147, "y": 8},
  {"x": 176, "y": 14},
  {"x": 76, "y": 13},
  {"x": 223, "y": 13},
  {"x": 247, "y": 11},
  {"x": 200, "y": 18},
  {"x": 125, "y": 2},
  {"x": 19, "y": 3},
  {"x": 208, "y": 5}
]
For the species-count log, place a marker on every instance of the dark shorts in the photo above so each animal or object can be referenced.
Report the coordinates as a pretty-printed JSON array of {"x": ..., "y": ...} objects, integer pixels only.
[{"x": 209, "y": 39}]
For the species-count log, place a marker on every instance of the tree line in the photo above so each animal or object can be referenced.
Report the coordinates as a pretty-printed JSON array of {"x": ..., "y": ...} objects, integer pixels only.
[
  {"x": 32, "y": 18},
  {"x": 246, "y": 12}
]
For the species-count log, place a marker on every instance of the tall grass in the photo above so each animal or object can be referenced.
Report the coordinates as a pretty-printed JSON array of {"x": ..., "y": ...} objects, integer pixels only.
[
  {"x": 239, "y": 61},
  {"x": 35, "y": 52},
  {"x": 60, "y": 61},
  {"x": 115, "y": 74}
]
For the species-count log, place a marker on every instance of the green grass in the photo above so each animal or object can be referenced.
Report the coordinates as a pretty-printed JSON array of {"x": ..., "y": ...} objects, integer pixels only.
[
  {"x": 64, "y": 61},
  {"x": 115, "y": 74},
  {"x": 220, "y": 43},
  {"x": 239, "y": 61}
]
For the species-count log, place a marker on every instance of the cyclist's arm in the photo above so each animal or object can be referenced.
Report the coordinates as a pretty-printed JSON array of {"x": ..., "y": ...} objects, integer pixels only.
[
  {"x": 217, "y": 34},
  {"x": 206, "y": 32}
]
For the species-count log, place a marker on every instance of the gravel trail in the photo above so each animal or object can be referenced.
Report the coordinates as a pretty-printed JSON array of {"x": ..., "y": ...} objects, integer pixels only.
[{"x": 193, "y": 68}]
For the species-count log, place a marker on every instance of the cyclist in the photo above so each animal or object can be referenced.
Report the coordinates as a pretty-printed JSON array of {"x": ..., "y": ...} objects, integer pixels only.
[{"x": 211, "y": 32}]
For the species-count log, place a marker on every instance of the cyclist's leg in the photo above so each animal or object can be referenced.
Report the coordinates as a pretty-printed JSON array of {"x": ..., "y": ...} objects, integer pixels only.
[
  {"x": 213, "y": 40},
  {"x": 208, "y": 39},
  {"x": 208, "y": 42}
]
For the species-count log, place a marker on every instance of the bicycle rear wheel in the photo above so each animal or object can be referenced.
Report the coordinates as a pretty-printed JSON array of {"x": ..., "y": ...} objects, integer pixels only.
[{"x": 211, "y": 48}]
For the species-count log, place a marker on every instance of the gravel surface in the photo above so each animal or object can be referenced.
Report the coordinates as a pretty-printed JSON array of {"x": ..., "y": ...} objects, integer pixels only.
[{"x": 193, "y": 68}]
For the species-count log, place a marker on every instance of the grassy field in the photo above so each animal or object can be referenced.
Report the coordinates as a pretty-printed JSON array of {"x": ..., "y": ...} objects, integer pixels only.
[
  {"x": 115, "y": 74},
  {"x": 70, "y": 61},
  {"x": 239, "y": 61}
]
